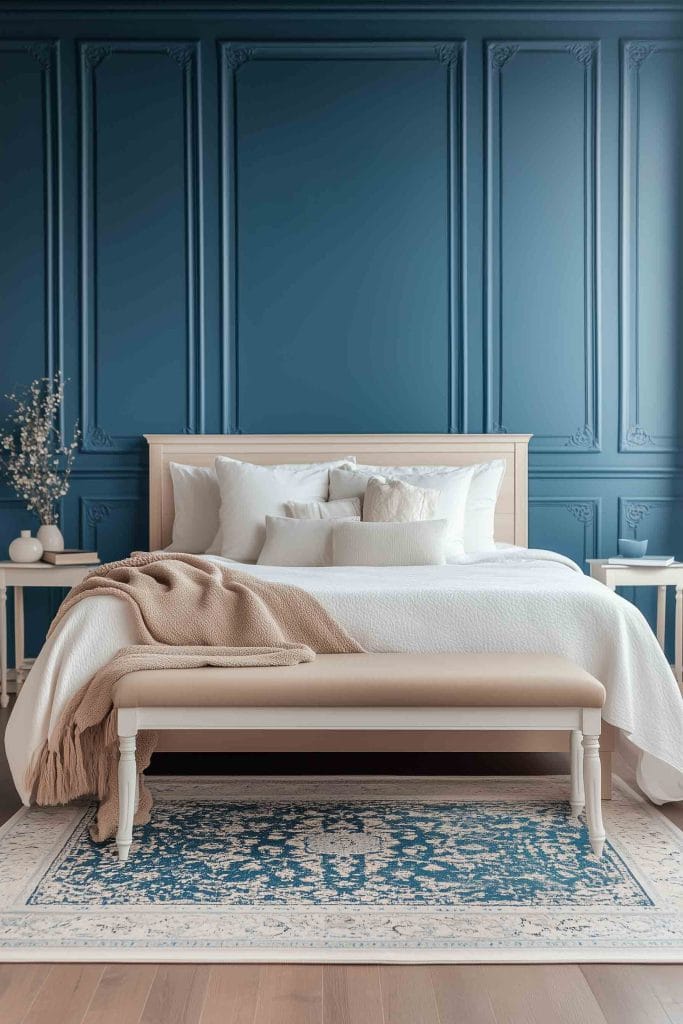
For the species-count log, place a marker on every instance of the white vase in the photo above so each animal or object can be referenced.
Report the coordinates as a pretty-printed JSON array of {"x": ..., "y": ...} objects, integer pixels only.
[
  {"x": 50, "y": 536},
  {"x": 25, "y": 548}
]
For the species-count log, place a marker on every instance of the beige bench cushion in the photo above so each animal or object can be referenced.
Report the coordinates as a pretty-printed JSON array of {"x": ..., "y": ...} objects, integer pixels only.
[{"x": 373, "y": 680}]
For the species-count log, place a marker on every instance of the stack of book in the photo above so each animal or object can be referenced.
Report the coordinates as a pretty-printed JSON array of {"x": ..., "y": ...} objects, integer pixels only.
[
  {"x": 71, "y": 556},
  {"x": 650, "y": 561}
]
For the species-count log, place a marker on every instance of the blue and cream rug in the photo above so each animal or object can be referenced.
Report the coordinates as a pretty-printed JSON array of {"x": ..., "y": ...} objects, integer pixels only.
[{"x": 331, "y": 869}]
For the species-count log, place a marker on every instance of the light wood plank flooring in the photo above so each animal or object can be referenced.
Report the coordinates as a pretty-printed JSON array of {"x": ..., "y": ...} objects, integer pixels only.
[{"x": 339, "y": 994}]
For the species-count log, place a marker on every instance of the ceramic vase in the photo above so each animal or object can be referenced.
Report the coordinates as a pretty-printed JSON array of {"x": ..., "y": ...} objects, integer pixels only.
[
  {"x": 25, "y": 548},
  {"x": 50, "y": 536}
]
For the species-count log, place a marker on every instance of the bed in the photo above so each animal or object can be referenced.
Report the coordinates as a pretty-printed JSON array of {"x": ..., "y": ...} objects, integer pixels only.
[
  {"x": 392, "y": 449},
  {"x": 510, "y": 599}
]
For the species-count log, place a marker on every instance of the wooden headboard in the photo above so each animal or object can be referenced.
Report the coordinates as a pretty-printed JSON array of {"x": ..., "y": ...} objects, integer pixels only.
[{"x": 373, "y": 449}]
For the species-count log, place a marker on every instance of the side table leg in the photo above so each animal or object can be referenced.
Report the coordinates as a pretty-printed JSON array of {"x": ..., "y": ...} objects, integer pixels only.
[
  {"x": 661, "y": 615},
  {"x": 19, "y": 636},
  {"x": 4, "y": 699},
  {"x": 678, "y": 646}
]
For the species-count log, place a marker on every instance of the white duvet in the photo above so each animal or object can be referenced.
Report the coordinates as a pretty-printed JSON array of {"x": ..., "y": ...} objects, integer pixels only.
[{"x": 512, "y": 599}]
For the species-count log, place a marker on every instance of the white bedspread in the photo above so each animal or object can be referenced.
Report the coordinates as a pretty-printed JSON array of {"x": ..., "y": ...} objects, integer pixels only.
[{"x": 513, "y": 599}]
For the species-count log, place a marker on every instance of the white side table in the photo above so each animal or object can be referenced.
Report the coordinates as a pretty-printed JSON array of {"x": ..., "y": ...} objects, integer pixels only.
[
  {"x": 662, "y": 576},
  {"x": 20, "y": 575}
]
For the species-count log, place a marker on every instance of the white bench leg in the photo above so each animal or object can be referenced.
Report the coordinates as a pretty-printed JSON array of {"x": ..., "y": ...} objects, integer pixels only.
[
  {"x": 128, "y": 776},
  {"x": 577, "y": 797},
  {"x": 591, "y": 773}
]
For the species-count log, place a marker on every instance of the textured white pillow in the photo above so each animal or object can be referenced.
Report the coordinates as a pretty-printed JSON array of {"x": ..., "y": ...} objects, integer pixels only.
[
  {"x": 345, "y": 508},
  {"x": 297, "y": 541},
  {"x": 250, "y": 492},
  {"x": 395, "y": 501},
  {"x": 421, "y": 543},
  {"x": 196, "y": 500},
  {"x": 453, "y": 483},
  {"x": 480, "y": 512}
]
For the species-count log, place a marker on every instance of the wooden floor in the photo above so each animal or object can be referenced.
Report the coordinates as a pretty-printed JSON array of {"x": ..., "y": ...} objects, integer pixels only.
[{"x": 313, "y": 994}]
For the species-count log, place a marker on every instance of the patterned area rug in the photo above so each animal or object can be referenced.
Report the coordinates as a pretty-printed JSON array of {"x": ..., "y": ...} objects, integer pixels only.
[{"x": 330, "y": 869}]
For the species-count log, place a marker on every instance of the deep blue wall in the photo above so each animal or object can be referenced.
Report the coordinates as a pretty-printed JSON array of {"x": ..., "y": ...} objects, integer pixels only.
[{"x": 351, "y": 217}]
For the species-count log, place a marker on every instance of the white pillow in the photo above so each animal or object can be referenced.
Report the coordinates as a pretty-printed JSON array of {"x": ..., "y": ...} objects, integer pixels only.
[
  {"x": 250, "y": 492},
  {"x": 345, "y": 508},
  {"x": 452, "y": 482},
  {"x": 196, "y": 500},
  {"x": 422, "y": 543},
  {"x": 481, "y": 506},
  {"x": 395, "y": 501},
  {"x": 297, "y": 541}
]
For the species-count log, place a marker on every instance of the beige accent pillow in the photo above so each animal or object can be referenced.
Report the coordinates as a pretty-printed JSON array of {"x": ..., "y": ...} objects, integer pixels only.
[
  {"x": 453, "y": 484},
  {"x": 344, "y": 508},
  {"x": 422, "y": 543},
  {"x": 394, "y": 501}
]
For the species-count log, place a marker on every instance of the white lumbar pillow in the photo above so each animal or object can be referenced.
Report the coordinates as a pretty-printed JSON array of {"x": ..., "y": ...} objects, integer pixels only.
[
  {"x": 250, "y": 492},
  {"x": 480, "y": 512},
  {"x": 422, "y": 543},
  {"x": 196, "y": 500},
  {"x": 395, "y": 501},
  {"x": 298, "y": 541},
  {"x": 345, "y": 508},
  {"x": 452, "y": 483}
]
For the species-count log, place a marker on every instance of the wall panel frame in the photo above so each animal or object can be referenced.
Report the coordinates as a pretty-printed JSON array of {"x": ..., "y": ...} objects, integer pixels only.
[
  {"x": 452, "y": 54},
  {"x": 586, "y": 512},
  {"x": 582, "y": 437},
  {"x": 121, "y": 512},
  {"x": 635, "y": 434},
  {"x": 45, "y": 55},
  {"x": 96, "y": 437}
]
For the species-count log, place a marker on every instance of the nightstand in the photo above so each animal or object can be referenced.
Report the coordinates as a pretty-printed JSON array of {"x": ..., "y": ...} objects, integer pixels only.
[
  {"x": 661, "y": 576},
  {"x": 20, "y": 575}
]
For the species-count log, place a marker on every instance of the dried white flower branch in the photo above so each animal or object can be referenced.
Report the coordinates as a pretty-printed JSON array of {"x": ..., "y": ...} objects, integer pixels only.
[{"x": 34, "y": 459}]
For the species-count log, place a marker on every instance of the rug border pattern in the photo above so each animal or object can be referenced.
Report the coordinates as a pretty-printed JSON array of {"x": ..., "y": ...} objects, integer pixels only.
[{"x": 32, "y": 837}]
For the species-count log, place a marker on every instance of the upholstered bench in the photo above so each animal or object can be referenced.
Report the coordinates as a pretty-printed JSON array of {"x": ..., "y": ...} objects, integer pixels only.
[{"x": 372, "y": 691}]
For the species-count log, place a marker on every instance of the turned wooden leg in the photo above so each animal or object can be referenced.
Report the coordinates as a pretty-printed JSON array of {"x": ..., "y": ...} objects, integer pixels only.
[
  {"x": 576, "y": 798},
  {"x": 127, "y": 791},
  {"x": 591, "y": 775},
  {"x": 19, "y": 637}
]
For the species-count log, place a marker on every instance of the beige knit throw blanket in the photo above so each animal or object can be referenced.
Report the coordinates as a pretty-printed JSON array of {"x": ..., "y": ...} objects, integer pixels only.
[{"x": 189, "y": 613}]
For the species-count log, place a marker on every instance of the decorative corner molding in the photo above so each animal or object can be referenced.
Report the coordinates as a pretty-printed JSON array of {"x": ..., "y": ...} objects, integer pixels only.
[
  {"x": 635, "y": 512},
  {"x": 41, "y": 53},
  {"x": 637, "y": 54},
  {"x": 500, "y": 55},
  {"x": 97, "y": 437},
  {"x": 97, "y": 513},
  {"x": 182, "y": 55},
  {"x": 498, "y": 428},
  {"x": 235, "y": 57},
  {"x": 583, "y": 511},
  {"x": 583, "y": 437},
  {"x": 94, "y": 55},
  {"x": 638, "y": 437},
  {"x": 583, "y": 52},
  {"x": 448, "y": 54}
]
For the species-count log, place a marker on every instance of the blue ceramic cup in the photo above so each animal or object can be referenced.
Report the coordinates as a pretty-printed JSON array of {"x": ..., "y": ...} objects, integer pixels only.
[{"x": 629, "y": 548}]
